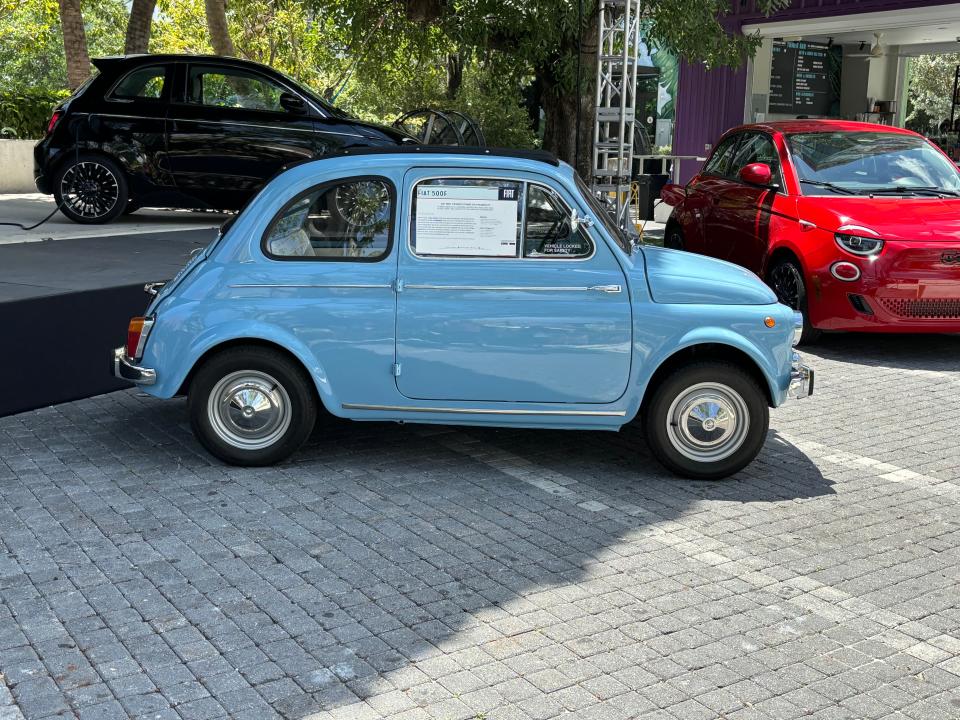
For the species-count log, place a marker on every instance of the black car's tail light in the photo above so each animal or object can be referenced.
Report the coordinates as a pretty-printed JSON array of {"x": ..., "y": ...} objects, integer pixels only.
[{"x": 54, "y": 119}]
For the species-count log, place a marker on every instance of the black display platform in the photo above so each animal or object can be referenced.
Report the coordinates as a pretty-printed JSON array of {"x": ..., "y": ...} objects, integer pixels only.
[{"x": 65, "y": 304}]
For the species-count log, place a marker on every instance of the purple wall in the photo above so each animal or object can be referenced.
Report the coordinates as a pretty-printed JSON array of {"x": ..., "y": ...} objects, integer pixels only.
[{"x": 712, "y": 101}]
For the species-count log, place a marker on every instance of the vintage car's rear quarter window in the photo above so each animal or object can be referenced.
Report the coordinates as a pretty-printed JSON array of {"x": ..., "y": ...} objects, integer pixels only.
[{"x": 345, "y": 220}]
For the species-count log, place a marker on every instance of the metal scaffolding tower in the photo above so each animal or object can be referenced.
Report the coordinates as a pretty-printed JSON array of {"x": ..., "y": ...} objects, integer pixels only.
[{"x": 618, "y": 49}]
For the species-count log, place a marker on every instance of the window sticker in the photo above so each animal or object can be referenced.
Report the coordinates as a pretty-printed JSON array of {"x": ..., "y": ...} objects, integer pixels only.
[{"x": 467, "y": 220}]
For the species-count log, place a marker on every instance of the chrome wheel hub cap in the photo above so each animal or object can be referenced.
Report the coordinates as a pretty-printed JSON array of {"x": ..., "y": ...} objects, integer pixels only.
[
  {"x": 249, "y": 410},
  {"x": 708, "y": 422},
  {"x": 89, "y": 189}
]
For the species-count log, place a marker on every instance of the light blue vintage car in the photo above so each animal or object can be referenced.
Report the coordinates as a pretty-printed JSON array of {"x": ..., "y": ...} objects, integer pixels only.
[{"x": 468, "y": 287}]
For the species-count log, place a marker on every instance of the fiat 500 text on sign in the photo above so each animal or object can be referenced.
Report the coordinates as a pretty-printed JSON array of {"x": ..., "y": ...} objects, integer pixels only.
[{"x": 468, "y": 287}]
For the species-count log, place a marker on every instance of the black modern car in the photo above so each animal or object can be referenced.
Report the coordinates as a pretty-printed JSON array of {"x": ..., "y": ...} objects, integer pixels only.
[{"x": 185, "y": 131}]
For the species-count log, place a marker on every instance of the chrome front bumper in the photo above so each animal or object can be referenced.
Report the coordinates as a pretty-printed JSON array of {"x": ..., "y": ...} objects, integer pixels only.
[
  {"x": 126, "y": 370},
  {"x": 801, "y": 379}
]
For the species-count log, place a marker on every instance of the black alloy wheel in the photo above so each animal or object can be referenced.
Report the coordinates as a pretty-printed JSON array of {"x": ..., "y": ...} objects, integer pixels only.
[
  {"x": 91, "y": 189},
  {"x": 786, "y": 281}
]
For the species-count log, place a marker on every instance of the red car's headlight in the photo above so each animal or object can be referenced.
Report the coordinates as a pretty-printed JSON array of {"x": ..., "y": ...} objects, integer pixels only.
[{"x": 858, "y": 244}]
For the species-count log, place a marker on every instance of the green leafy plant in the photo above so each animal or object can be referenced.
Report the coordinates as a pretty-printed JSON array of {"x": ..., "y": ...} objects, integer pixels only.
[{"x": 25, "y": 113}]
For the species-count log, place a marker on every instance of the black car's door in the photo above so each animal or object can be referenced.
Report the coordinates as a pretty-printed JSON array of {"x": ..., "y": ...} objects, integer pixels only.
[
  {"x": 132, "y": 120},
  {"x": 232, "y": 128}
]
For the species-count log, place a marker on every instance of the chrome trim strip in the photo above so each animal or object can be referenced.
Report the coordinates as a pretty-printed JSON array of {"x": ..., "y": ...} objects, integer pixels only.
[
  {"x": 518, "y": 288},
  {"x": 360, "y": 286},
  {"x": 484, "y": 411}
]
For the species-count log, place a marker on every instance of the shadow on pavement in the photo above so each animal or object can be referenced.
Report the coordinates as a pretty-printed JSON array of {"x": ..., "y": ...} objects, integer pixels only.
[
  {"x": 346, "y": 571},
  {"x": 911, "y": 351}
]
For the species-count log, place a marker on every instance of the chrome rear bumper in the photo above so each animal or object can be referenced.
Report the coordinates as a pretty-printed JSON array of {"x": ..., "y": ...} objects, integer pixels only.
[{"x": 124, "y": 369}]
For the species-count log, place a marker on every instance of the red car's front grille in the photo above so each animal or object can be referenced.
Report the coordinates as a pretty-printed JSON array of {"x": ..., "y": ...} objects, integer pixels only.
[{"x": 934, "y": 309}]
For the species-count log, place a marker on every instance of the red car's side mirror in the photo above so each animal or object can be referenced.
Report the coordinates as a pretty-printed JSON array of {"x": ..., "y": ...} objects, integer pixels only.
[
  {"x": 756, "y": 174},
  {"x": 673, "y": 194}
]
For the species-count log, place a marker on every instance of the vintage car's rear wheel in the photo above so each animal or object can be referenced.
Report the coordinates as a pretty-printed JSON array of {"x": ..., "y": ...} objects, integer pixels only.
[
  {"x": 90, "y": 189},
  {"x": 707, "y": 420},
  {"x": 251, "y": 406}
]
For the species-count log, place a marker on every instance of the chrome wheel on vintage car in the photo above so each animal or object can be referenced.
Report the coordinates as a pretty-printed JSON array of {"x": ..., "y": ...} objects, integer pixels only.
[
  {"x": 252, "y": 405},
  {"x": 707, "y": 420},
  {"x": 91, "y": 189},
  {"x": 707, "y": 423},
  {"x": 249, "y": 410}
]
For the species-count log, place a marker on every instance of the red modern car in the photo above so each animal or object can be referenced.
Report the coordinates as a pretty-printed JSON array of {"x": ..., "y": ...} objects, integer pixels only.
[{"x": 855, "y": 225}]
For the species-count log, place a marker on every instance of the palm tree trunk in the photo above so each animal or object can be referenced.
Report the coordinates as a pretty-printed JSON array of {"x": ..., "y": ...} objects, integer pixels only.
[
  {"x": 138, "y": 27},
  {"x": 217, "y": 25},
  {"x": 74, "y": 43}
]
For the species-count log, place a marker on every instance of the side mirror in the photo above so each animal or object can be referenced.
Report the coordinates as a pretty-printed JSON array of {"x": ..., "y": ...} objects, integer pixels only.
[
  {"x": 756, "y": 174},
  {"x": 673, "y": 194},
  {"x": 577, "y": 222},
  {"x": 292, "y": 103}
]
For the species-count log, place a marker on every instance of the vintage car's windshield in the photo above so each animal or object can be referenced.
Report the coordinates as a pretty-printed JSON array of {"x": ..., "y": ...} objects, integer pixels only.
[
  {"x": 864, "y": 163},
  {"x": 604, "y": 216}
]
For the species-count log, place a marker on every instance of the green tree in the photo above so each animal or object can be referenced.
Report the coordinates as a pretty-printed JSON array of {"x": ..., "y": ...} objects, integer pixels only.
[
  {"x": 552, "y": 42},
  {"x": 31, "y": 42},
  {"x": 931, "y": 86}
]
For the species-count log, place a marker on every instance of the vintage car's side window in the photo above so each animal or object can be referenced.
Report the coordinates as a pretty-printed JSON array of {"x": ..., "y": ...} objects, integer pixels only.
[
  {"x": 547, "y": 232},
  {"x": 345, "y": 220},
  {"x": 466, "y": 217},
  {"x": 141, "y": 84},
  {"x": 492, "y": 218}
]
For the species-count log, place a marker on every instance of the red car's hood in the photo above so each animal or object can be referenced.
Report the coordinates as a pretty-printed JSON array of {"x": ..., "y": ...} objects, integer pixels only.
[{"x": 892, "y": 218}]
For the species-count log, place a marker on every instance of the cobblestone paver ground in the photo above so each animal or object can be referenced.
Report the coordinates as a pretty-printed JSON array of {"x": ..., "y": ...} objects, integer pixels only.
[{"x": 437, "y": 572}]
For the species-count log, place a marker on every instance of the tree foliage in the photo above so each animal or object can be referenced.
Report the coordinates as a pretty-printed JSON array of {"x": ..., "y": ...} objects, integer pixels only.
[
  {"x": 513, "y": 62},
  {"x": 931, "y": 86}
]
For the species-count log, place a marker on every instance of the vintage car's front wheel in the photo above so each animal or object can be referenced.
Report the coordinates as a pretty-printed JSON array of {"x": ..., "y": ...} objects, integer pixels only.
[
  {"x": 707, "y": 420},
  {"x": 251, "y": 406}
]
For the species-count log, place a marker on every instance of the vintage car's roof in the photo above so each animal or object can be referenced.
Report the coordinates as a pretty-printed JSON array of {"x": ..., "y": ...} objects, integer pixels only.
[
  {"x": 537, "y": 155},
  {"x": 412, "y": 155}
]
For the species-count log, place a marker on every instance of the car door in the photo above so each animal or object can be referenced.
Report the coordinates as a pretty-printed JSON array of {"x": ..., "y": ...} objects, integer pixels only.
[
  {"x": 230, "y": 132},
  {"x": 746, "y": 209},
  {"x": 702, "y": 195},
  {"x": 329, "y": 281},
  {"x": 502, "y": 299},
  {"x": 134, "y": 122}
]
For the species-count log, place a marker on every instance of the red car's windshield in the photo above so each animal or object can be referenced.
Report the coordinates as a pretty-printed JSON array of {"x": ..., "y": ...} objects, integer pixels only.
[{"x": 864, "y": 163}]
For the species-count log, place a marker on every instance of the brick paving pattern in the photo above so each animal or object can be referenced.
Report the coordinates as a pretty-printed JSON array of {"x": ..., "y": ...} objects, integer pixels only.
[{"x": 417, "y": 572}]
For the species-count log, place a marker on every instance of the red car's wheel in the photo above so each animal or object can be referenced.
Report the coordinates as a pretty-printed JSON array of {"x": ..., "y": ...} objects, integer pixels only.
[
  {"x": 673, "y": 237},
  {"x": 786, "y": 280}
]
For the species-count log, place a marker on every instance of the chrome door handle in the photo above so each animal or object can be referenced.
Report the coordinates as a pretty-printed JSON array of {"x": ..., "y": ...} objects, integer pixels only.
[{"x": 606, "y": 288}]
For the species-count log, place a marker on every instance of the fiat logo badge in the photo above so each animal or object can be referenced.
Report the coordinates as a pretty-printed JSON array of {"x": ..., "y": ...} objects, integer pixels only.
[{"x": 951, "y": 258}]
